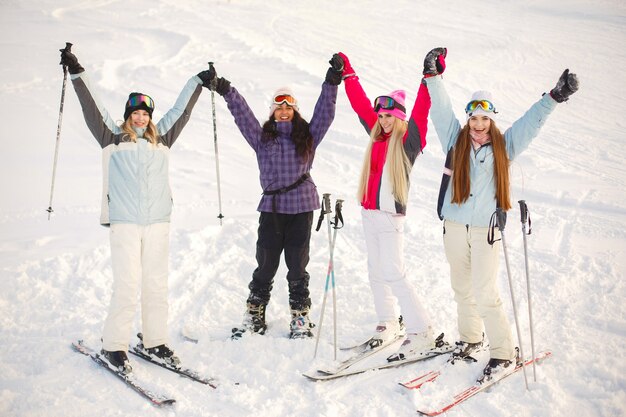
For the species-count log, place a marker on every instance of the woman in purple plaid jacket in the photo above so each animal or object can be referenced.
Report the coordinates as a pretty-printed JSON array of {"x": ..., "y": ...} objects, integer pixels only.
[{"x": 285, "y": 147}]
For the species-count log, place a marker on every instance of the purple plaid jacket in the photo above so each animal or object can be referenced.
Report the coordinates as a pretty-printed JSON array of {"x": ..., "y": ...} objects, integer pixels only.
[{"x": 279, "y": 164}]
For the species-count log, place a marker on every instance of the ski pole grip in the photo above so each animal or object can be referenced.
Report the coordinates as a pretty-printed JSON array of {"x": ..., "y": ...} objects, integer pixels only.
[
  {"x": 326, "y": 203},
  {"x": 523, "y": 208},
  {"x": 68, "y": 46},
  {"x": 501, "y": 218},
  {"x": 338, "y": 215},
  {"x": 214, "y": 80}
]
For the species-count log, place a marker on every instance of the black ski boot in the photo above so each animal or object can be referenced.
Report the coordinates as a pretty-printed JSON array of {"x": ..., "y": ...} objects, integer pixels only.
[
  {"x": 496, "y": 368},
  {"x": 160, "y": 353},
  {"x": 300, "y": 326},
  {"x": 253, "y": 321},
  {"x": 164, "y": 353},
  {"x": 117, "y": 360}
]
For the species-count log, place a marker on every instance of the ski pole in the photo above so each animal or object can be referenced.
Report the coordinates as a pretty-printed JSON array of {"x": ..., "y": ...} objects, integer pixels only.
[
  {"x": 501, "y": 219},
  {"x": 338, "y": 218},
  {"x": 325, "y": 210},
  {"x": 217, "y": 158},
  {"x": 524, "y": 217},
  {"x": 68, "y": 47}
]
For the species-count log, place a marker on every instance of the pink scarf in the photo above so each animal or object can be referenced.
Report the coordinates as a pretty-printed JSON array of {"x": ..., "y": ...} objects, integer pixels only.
[{"x": 479, "y": 139}]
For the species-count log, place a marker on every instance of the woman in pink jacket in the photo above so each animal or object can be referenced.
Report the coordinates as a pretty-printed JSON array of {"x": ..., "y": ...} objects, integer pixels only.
[{"x": 383, "y": 191}]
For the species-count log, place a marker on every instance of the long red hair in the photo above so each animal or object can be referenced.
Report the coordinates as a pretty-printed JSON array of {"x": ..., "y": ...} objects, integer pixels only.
[{"x": 460, "y": 162}]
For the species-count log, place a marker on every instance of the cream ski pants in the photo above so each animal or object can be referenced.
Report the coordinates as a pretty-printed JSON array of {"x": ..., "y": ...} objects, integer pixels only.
[
  {"x": 139, "y": 258},
  {"x": 473, "y": 272},
  {"x": 384, "y": 238}
]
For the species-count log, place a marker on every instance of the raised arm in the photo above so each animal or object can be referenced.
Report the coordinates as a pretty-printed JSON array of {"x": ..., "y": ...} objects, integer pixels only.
[
  {"x": 245, "y": 120},
  {"x": 173, "y": 122},
  {"x": 97, "y": 118},
  {"x": 415, "y": 141},
  {"x": 441, "y": 112},
  {"x": 527, "y": 127},
  {"x": 324, "y": 112},
  {"x": 359, "y": 101}
]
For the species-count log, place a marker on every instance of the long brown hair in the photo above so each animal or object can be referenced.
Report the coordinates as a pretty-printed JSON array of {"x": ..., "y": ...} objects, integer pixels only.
[
  {"x": 461, "y": 175},
  {"x": 300, "y": 135},
  {"x": 396, "y": 160},
  {"x": 151, "y": 133}
]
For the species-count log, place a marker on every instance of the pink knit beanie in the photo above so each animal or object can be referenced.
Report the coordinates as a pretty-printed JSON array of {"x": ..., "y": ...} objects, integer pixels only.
[{"x": 399, "y": 97}]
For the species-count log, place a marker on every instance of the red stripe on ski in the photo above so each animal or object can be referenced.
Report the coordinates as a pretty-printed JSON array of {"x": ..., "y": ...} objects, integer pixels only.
[{"x": 475, "y": 389}]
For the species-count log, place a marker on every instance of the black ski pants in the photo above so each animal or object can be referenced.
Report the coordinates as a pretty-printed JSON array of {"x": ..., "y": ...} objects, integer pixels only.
[{"x": 290, "y": 233}]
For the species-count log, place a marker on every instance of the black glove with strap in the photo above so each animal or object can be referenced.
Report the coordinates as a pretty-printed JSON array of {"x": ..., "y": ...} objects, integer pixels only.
[
  {"x": 565, "y": 87},
  {"x": 211, "y": 81},
  {"x": 69, "y": 60},
  {"x": 334, "y": 73},
  {"x": 435, "y": 62}
]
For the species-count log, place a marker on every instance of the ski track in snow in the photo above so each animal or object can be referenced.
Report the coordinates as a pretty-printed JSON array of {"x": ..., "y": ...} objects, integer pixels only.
[{"x": 56, "y": 274}]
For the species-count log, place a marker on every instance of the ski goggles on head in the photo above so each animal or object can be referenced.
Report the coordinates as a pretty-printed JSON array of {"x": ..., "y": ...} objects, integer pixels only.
[
  {"x": 486, "y": 105},
  {"x": 137, "y": 100},
  {"x": 387, "y": 103},
  {"x": 285, "y": 98}
]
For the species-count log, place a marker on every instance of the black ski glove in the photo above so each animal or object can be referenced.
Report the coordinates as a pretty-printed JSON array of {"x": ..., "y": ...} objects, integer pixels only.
[
  {"x": 222, "y": 86},
  {"x": 334, "y": 73},
  {"x": 565, "y": 87},
  {"x": 435, "y": 62},
  {"x": 211, "y": 81},
  {"x": 69, "y": 60},
  {"x": 206, "y": 77}
]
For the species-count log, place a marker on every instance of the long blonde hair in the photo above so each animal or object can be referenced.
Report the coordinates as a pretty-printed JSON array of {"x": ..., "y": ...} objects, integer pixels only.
[
  {"x": 396, "y": 160},
  {"x": 151, "y": 133},
  {"x": 461, "y": 176}
]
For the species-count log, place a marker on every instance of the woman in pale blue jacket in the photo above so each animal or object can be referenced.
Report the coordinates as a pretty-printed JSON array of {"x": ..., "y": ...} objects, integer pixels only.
[
  {"x": 478, "y": 167},
  {"x": 136, "y": 204}
]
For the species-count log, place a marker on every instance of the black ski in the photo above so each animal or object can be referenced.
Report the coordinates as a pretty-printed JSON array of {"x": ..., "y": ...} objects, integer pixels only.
[{"x": 156, "y": 399}]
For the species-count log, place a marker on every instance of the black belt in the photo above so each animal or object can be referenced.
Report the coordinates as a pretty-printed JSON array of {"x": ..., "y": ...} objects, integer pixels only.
[{"x": 283, "y": 190}]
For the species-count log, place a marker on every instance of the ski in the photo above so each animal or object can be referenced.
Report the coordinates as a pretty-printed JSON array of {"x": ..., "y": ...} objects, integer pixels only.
[
  {"x": 433, "y": 374},
  {"x": 364, "y": 351},
  {"x": 156, "y": 399},
  {"x": 431, "y": 353},
  {"x": 477, "y": 388},
  {"x": 421, "y": 380},
  {"x": 138, "y": 351}
]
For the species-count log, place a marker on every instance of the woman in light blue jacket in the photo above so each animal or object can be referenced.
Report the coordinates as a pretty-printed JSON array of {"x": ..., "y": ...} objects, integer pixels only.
[
  {"x": 478, "y": 167},
  {"x": 136, "y": 204}
]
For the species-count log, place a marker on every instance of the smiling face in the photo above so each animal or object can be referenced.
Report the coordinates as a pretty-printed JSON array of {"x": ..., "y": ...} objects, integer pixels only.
[
  {"x": 283, "y": 113},
  {"x": 386, "y": 121},
  {"x": 479, "y": 124},
  {"x": 140, "y": 118}
]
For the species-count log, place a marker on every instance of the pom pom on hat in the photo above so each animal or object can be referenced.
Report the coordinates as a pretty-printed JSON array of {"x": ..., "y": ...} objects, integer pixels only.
[
  {"x": 138, "y": 101},
  {"x": 283, "y": 91},
  {"x": 479, "y": 111}
]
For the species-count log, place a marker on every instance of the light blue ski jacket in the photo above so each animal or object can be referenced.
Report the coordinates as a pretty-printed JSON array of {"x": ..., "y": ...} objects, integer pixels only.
[
  {"x": 481, "y": 204},
  {"x": 135, "y": 186}
]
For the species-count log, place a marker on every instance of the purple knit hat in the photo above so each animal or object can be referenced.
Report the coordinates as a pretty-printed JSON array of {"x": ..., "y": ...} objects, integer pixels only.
[{"x": 398, "y": 97}]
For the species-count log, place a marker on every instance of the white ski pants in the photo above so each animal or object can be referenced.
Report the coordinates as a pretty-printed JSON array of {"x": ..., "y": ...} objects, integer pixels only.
[
  {"x": 384, "y": 238},
  {"x": 139, "y": 258},
  {"x": 473, "y": 272}
]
